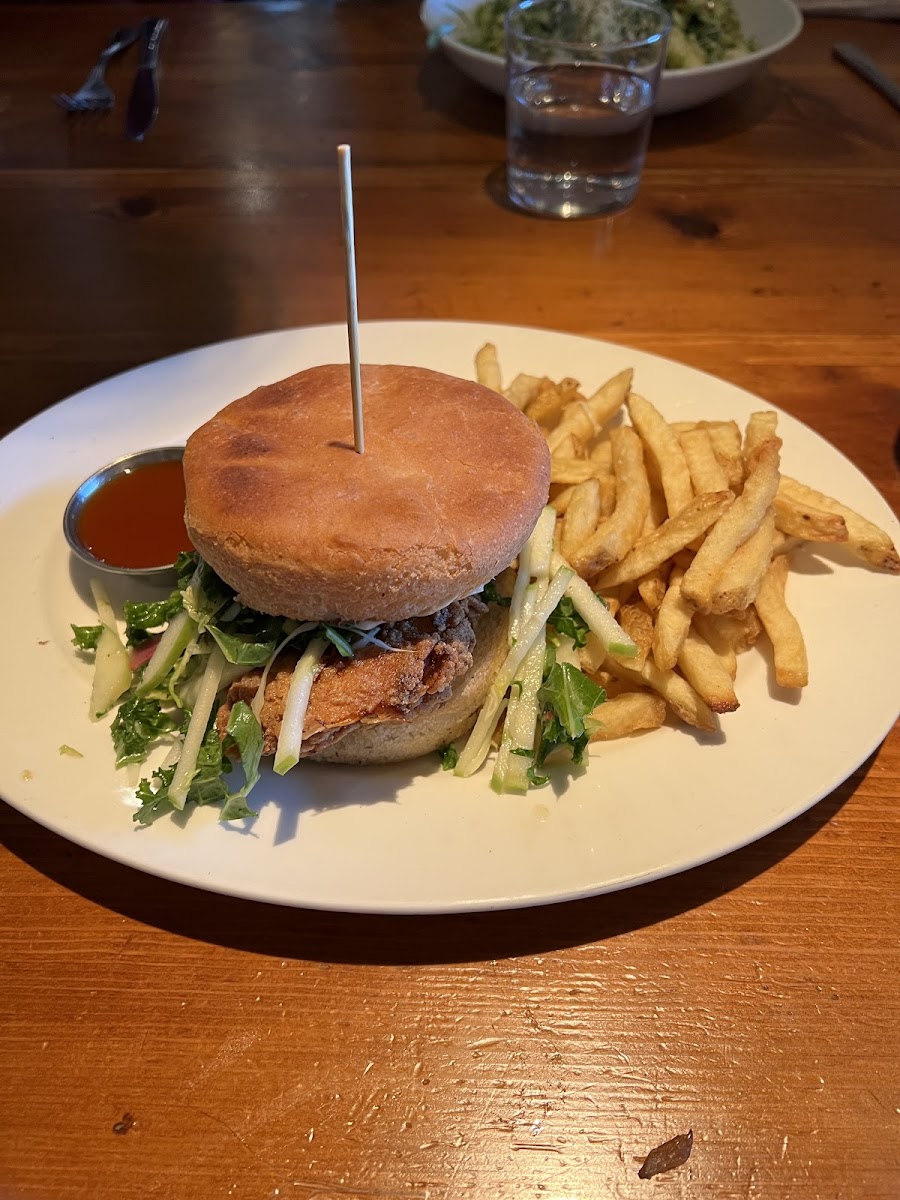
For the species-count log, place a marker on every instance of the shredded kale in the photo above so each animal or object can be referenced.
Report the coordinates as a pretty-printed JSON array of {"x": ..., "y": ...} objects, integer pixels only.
[
  {"x": 185, "y": 566},
  {"x": 568, "y": 622},
  {"x": 490, "y": 595},
  {"x": 242, "y": 650},
  {"x": 86, "y": 636},
  {"x": 247, "y": 638},
  {"x": 154, "y": 799},
  {"x": 535, "y": 778},
  {"x": 152, "y": 614},
  {"x": 568, "y": 698},
  {"x": 206, "y": 594},
  {"x": 245, "y": 732},
  {"x": 207, "y": 786},
  {"x": 449, "y": 757},
  {"x": 137, "y": 725},
  {"x": 137, "y": 637}
]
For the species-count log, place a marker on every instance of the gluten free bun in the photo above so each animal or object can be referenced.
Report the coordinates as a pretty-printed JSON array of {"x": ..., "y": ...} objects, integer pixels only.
[{"x": 279, "y": 503}]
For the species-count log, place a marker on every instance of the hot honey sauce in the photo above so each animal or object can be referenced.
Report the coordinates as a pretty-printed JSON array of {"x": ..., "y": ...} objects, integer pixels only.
[{"x": 137, "y": 518}]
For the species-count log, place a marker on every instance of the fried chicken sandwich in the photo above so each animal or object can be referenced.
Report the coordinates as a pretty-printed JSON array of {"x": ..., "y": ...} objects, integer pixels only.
[{"x": 372, "y": 565}]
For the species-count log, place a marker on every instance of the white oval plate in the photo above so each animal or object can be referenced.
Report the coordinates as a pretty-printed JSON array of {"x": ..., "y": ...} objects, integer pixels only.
[{"x": 414, "y": 839}]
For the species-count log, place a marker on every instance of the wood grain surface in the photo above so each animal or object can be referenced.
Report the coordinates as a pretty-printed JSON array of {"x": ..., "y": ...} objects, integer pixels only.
[{"x": 161, "y": 1042}]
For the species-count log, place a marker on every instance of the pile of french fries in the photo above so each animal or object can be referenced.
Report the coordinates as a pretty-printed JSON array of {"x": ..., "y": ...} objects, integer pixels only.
[{"x": 686, "y": 529}]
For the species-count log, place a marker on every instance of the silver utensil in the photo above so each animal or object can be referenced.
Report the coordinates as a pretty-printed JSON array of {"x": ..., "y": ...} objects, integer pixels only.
[
  {"x": 857, "y": 60},
  {"x": 95, "y": 95},
  {"x": 143, "y": 104}
]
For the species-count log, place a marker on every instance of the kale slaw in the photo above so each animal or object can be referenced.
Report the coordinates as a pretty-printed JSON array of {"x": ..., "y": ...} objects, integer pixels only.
[{"x": 164, "y": 675}]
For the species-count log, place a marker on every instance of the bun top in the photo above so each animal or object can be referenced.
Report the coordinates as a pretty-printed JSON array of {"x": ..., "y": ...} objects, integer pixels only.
[{"x": 279, "y": 503}]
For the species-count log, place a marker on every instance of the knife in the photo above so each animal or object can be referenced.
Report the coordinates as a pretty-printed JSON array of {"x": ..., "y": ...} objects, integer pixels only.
[
  {"x": 143, "y": 103},
  {"x": 857, "y": 60}
]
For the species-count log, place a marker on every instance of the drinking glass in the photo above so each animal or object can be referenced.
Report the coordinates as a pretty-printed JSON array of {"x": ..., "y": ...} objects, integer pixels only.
[{"x": 581, "y": 80}]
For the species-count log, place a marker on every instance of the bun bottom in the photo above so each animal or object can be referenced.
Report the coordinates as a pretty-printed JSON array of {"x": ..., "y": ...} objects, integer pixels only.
[{"x": 439, "y": 724}]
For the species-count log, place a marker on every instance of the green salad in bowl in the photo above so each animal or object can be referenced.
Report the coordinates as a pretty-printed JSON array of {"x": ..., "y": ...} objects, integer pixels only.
[
  {"x": 714, "y": 45},
  {"x": 703, "y": 31}
]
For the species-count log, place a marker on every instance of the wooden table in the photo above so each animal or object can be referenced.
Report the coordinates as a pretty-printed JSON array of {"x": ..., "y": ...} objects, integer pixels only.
[{"x": 265, "y": 1052}]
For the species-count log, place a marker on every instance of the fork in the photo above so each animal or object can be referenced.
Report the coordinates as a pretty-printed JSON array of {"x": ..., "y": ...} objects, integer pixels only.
[{"x": 95, "y": 95}]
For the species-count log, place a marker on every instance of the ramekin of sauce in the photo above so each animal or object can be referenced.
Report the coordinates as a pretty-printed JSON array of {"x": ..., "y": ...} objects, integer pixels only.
[{"x": 128, "y": 517}]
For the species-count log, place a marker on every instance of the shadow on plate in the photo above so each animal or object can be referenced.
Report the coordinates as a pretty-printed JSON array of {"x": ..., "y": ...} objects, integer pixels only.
[
  {"x": 387, "y": 940},
  {"x": 334, "y": 787},
  {"x": 119, "y": 588}
]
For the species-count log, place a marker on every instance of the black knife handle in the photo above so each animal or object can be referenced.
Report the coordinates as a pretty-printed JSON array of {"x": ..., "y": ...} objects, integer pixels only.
[{"x": 151, "y": 36}]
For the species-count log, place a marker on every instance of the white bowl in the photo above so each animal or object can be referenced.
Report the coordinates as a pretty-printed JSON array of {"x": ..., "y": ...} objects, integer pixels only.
[{"x": 773, "y": 24}]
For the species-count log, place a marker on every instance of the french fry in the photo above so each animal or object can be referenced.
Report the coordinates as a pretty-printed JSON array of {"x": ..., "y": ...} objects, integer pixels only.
[
  {"x": 607, "y": 485},
  {"x": 726, "y": 439},
  {"x": 739, "y": 580},
  {"x": 571, "y": 470},
  {"x": 570, "y": 447},
  {"x": 742, "y": 519},
  {"x": 627, "y": 713},
  {"x": 561, "y": 496},
  {"x": 617, "y": 687},
  {"x": 582, "y": 516},
  {"x": 608, "y": 399},
  {"x": 601, "y": 454},
  {"x": 676, "y": 691},
  {"x": 658, "y": 512},
  {"x": 652, "y": 587},
  {"x": 615, "y": 536},
  {"x": 761, "y": 427},
  {"x": 685, "y": 530},
  {"x": 811, "y": 524},
  {"x": 585, "y": 418},
  {"x": 522, "y": 390},
  {"x": 487, "y": 367},
  {"x": 865, "y": 540},
  {"x": 782, "y": 627},
  {"x": 782, "y": 544},
  {"x": 547, "y": 404},
  {"x": 637, "y": 622},
  {"x": 673, "y": 620},
  {"x": 576, "y": 422},
  {"x": 709, "y": 678},
  {"x": 740, "y": 630},
  {"x": 673, "y": 535},
  {"x": 665, "y": 450},
  {"x": 709, "y": 629},
  {"x": 602, "y": 678},
  {"x": 705, "y": 469}
]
